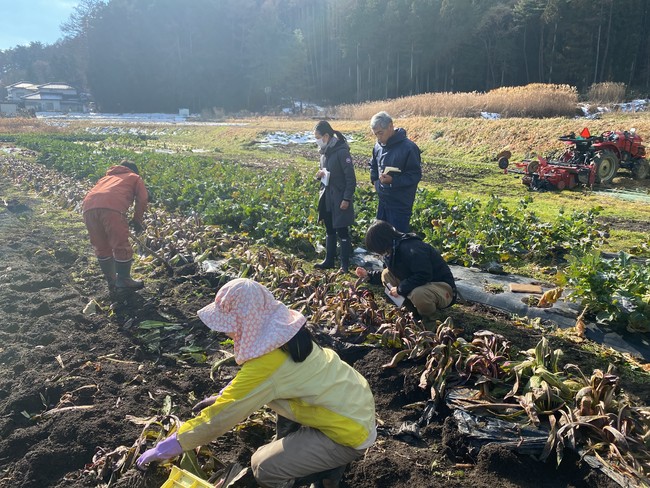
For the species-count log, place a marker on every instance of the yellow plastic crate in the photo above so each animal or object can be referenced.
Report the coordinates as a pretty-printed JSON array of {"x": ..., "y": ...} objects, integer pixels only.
[{"x": 179, "y": 478}]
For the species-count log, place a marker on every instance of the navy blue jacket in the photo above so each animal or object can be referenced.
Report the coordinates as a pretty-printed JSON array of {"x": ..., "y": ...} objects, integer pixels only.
[
  {"x": 342, "y": 184},
  {"x": 415, "y": 263},
  {"x": 402, "y": 153}
]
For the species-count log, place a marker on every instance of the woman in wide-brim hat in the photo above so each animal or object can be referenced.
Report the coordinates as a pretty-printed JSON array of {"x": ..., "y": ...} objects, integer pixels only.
[{"x": 326, "y": 411}]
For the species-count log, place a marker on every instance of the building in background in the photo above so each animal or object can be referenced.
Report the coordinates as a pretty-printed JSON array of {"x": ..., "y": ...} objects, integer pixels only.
[{"x": 50, "y": 97}]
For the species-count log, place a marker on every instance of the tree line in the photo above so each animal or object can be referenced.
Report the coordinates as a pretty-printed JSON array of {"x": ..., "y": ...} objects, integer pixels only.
[{"x": 160, "y": 55}]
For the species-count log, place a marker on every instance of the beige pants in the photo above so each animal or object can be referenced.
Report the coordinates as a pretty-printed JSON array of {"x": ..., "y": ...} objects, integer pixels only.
[
  {"x": 299, "y": 454},
  {"x": 426, "y": 298}
]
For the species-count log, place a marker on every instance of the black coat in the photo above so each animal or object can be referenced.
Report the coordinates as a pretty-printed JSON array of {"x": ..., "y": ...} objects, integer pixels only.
[
  {"x": 415, "y": 263},
  {"x": 341, "y": 186},
  {"x": 402, "y": 153}
]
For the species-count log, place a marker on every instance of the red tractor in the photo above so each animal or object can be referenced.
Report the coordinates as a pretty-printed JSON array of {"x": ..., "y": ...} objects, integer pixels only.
[{"x": 586, "y": 160}]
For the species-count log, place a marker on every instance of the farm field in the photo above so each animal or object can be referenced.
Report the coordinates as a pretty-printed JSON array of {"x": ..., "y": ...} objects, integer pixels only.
[{"x": 76, "y": 386}]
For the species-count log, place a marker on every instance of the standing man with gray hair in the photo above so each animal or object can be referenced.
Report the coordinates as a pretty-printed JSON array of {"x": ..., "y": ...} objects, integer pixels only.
[{"x": 395, "y": 170}]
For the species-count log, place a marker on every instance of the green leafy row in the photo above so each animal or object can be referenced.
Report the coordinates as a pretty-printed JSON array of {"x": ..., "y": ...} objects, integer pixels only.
[
  {"x": 617, "y": 290},
  {"x": 469, "y": 232},
  {"x": 277, "y": 207}
]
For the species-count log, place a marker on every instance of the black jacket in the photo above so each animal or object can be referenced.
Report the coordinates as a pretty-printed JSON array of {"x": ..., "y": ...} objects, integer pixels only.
[
  {"x": 415, "y": 263},
  {"x": 403, "y": 154},
  {"x": 341, "y": 186}
]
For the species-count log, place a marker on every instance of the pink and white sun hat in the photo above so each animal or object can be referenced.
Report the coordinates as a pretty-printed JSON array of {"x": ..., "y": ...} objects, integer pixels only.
[{"x": 248, "y": 312}]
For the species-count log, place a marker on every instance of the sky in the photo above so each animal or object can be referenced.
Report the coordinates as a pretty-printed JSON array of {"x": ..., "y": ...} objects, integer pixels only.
[{"x": 25, "y": 21}]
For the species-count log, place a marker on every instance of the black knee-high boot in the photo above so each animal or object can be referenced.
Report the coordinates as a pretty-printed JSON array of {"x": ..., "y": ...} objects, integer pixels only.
[
  {"x": 346, "y": 250},
  {"x": 124, "y": 280},
  {"x": 330, "y": 253},
  {"x": 107, "y": 265}
]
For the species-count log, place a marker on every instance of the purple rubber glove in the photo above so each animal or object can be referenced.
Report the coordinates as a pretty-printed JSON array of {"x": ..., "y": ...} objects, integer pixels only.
[
  {"x": 205, "y": 403},
  {"x": 165, "y": 449}
]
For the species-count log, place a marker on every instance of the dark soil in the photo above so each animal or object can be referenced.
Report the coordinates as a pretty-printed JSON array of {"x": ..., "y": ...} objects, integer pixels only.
[
  {"x": 617, "y": 223},
  {"x": 52, "y": 355}
]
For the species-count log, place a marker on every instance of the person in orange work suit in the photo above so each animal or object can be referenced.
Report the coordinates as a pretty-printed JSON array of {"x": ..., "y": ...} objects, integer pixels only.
[{"x": 104, "y": 212}]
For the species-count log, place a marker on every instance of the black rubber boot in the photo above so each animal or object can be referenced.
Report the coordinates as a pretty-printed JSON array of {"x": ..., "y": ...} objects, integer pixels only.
[
  {"x": 346, "y": 250},
  {"x": 107, "y": 265},
  {"x": 408, "y": 305},
  {"x": 330, "y": 479},
  {"x": 429, "y": 322},
  {"x": 124, "y": 280},
  {"x": 330, "y": 253}
]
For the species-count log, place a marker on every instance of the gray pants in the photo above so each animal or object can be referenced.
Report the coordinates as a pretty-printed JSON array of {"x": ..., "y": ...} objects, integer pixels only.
[{"x": 298, "y": 455}]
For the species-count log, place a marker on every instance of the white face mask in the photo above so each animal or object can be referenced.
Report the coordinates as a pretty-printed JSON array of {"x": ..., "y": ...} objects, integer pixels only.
[{"x": 321, "y": 143}]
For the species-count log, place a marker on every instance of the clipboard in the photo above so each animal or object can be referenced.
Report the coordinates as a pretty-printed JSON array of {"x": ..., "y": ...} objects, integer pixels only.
[
  {"x": 398, "y": 300},
  {"x": 326, "y": 178}
]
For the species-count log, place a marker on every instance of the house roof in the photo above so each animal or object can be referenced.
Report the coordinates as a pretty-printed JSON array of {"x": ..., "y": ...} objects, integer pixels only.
[
  {"x": 24, "y": 84},
  {"x": 57, "y": 86},
  {"x": 42, "y": 96}
]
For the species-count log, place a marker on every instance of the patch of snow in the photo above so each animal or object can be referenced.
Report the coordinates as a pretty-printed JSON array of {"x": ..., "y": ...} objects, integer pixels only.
[
  {"x": 589, "y": 112},
  {"x": 157, "y": 118},
  {"x": 121, "y": 130},
  {"x": 57, "y": 123},
  {"x": 633, "y": 106},
  {"x": 282, "y": 138},
  {"x": 139, "y": 117}
]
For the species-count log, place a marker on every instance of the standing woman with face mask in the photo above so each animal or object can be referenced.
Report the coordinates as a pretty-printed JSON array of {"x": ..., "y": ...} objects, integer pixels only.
[{"x": 335, "y": 201}]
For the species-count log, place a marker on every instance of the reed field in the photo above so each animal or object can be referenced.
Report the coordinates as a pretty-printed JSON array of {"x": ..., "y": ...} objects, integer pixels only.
[{"x": 535, "y": 100}]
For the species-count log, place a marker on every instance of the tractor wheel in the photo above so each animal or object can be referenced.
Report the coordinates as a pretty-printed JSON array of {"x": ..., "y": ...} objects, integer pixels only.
[
  {"x": 641, "y": 169},
  {"x": 532, "y": 167},
  {"x": 606, "y": 166}
]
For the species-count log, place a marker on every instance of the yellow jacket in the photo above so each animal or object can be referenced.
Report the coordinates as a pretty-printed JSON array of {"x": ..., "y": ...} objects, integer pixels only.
[{"x": 322, "y": 392}]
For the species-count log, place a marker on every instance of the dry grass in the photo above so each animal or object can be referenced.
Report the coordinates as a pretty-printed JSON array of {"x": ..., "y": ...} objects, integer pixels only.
[
  {"x": 535, "y": 100},
  {"x": 608, "y": 92},
  {"x": 427, "y": 104},
  {"x": 21, "y": 125}
]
